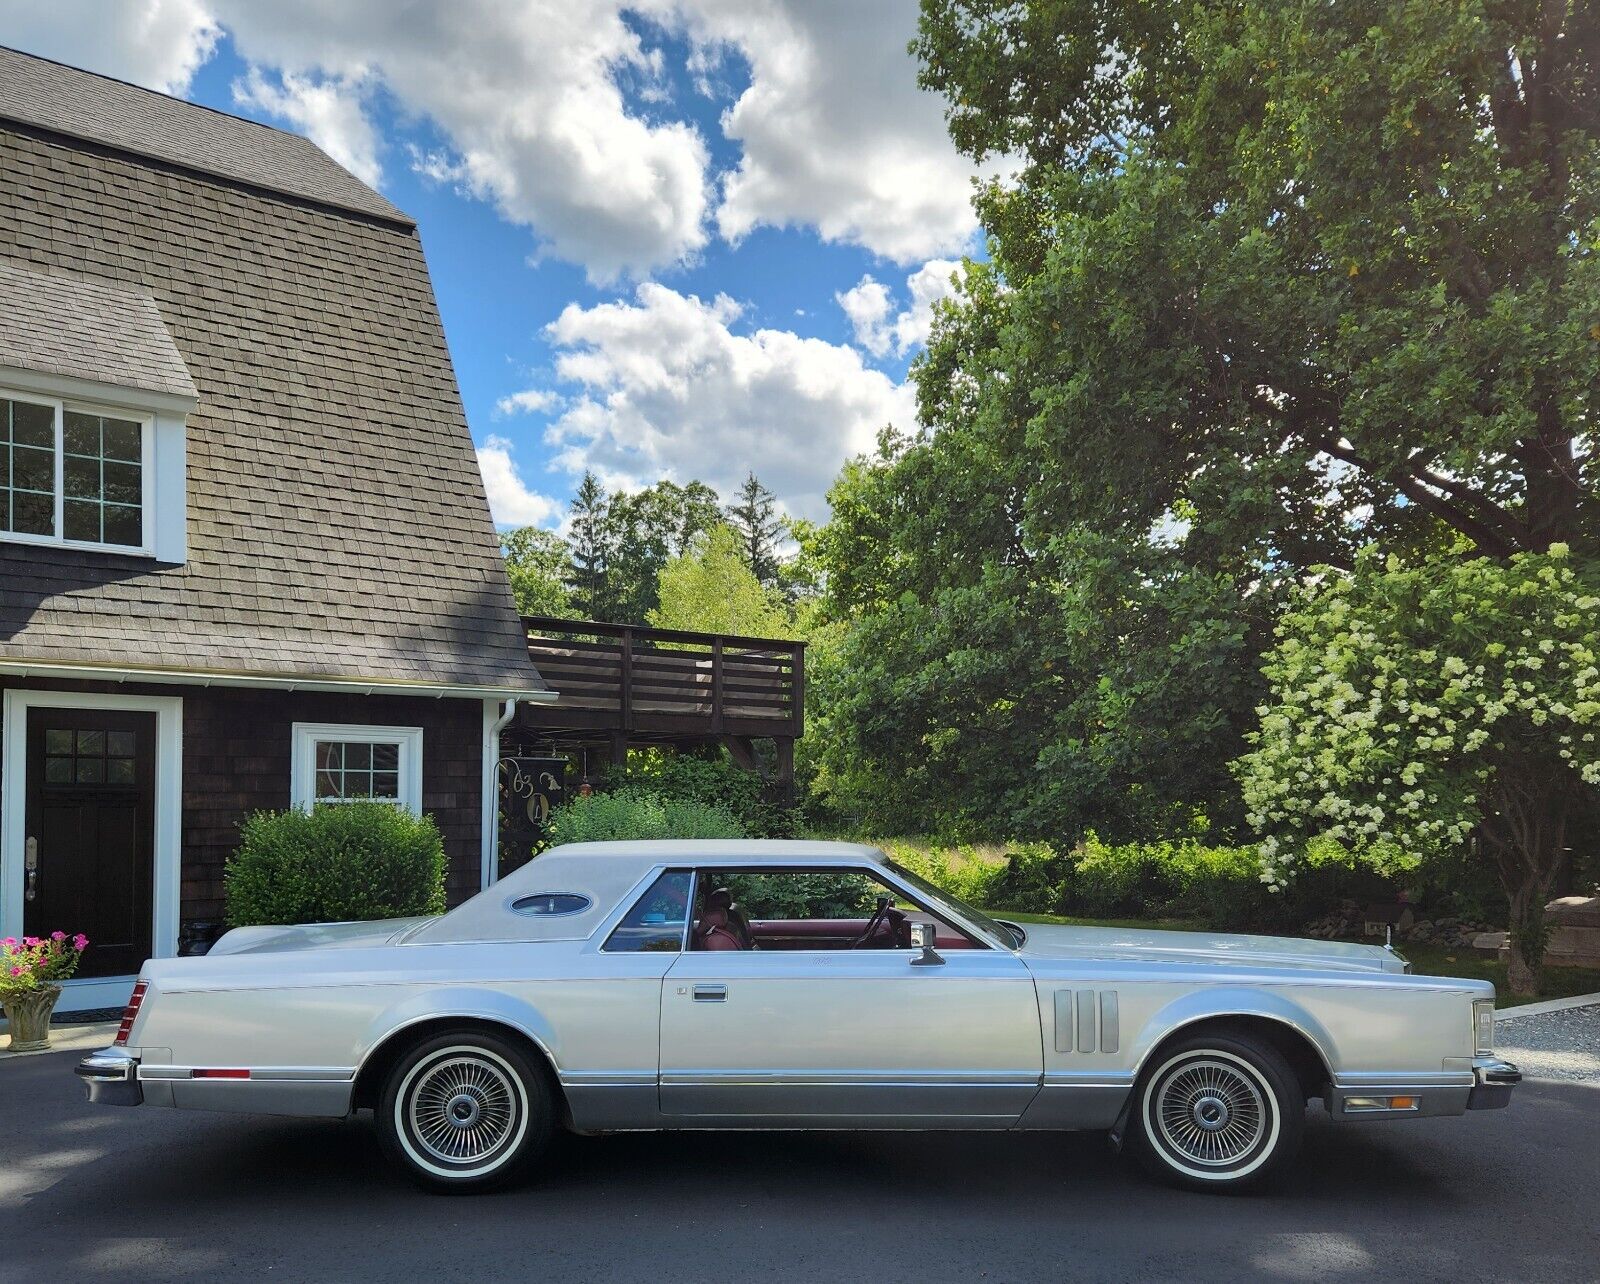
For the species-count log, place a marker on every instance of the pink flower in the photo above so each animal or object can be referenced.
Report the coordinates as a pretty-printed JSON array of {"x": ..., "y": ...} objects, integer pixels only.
[
  {"x": 80, "y": 942},
  {"x": 30, "y": 941},
  {"x": 10, "y": 940},
  {"x": 58, "y": 936},
  {"x": 15, "y": 970}
]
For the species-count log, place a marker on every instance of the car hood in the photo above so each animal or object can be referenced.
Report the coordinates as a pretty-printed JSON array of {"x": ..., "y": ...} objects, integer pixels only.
[
  {"x": 315, "y": 936},
  {"x": 1048, "y": 940}
]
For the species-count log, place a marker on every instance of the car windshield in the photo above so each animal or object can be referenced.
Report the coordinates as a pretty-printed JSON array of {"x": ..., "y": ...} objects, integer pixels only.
[{"x": 1001, "y": 933}]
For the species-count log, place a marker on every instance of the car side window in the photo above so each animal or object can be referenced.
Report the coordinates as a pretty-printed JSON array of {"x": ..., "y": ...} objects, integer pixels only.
[{"x": 658, "y": 918}]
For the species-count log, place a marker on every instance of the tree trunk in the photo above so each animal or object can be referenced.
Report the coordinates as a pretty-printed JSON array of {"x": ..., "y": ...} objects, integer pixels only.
[{"x": 1528, "y": 835}]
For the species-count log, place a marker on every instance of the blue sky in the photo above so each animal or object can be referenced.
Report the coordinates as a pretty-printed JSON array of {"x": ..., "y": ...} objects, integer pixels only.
[{"x": 699, "y": 237}]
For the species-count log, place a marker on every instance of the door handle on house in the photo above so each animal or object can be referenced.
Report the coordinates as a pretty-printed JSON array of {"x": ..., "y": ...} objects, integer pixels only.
[
  {"x": 710, "y": 994},
  {"x": 30, "y": 862}
]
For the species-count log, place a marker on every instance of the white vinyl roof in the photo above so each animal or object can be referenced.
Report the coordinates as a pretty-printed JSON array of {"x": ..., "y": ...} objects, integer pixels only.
[{"x": 605, "y": 874}]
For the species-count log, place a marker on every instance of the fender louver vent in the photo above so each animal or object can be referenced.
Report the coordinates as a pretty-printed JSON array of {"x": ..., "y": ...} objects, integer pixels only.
[{"x": 1086, "y": 1019}]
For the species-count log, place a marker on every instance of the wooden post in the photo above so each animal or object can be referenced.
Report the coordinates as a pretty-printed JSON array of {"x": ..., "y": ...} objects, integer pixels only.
[
  {"x": 716, "y": 686},
  {"x": 785, "y": 748},
  {"x": 797, "y": 696},
  {"x": 625, "y": 706}
]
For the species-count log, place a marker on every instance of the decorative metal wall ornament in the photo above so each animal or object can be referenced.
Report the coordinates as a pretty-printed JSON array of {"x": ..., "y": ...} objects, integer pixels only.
[{"x": 530, "y": 789}]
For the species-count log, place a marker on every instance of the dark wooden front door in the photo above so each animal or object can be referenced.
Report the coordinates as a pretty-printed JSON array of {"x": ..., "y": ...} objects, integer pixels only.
[{"x": 88, "y": 857}]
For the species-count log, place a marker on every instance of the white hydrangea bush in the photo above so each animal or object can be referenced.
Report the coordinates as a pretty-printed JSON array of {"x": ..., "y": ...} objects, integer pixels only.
[{"x": 1403, "y": 697}]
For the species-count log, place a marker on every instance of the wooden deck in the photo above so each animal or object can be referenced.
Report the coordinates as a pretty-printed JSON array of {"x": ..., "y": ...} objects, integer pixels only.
[{"x": 647, "y": 685}]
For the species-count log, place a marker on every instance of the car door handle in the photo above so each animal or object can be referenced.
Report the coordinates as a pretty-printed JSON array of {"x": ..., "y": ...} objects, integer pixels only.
[{"x": 710, "y": 994}]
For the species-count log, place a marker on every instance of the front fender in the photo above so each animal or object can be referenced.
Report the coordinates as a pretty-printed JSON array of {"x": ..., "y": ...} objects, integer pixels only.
[
  {"x": 1231, "y": 1001},
  {"x": 467, "y": 1002}
]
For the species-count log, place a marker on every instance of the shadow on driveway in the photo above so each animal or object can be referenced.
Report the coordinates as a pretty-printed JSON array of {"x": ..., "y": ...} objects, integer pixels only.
[{"x": 108, "y": 1194}]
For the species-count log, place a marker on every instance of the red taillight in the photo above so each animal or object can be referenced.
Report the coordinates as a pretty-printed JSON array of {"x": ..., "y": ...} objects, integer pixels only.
[{"x": 129, "y": 1012}]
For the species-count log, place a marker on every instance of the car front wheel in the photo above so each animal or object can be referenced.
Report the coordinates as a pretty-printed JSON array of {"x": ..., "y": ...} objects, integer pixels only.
[
  {"x": 1217, "y": 1113},
  {"x": 464, "y": 1111}
]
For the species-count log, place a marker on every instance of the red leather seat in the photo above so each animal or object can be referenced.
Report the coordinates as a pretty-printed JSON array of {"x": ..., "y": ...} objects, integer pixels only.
[{"x": 712, "y": 932}]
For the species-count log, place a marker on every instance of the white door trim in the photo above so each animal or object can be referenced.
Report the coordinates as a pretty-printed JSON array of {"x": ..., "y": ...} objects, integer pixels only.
[{"x": 168, "y": 845}]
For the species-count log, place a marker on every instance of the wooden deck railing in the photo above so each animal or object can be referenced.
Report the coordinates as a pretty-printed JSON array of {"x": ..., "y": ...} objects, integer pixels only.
[{"x": 628, "y": 678}]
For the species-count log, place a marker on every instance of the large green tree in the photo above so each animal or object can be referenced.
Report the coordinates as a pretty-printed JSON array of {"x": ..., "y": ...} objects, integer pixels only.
[
  {"x": 1291, "y": 278},
  {"x": 1323, "y": 272}
]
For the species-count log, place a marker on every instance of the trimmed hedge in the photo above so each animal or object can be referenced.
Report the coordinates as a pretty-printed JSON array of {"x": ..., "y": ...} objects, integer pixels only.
[{"x": 334, "y": 864}]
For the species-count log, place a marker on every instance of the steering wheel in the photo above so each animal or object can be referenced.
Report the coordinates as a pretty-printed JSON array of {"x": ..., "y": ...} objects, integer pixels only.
[{"x": 873, "y": 923}]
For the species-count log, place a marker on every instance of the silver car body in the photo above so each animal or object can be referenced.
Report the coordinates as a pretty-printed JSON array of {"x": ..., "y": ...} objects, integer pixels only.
[{"x": 1051, "y": 1034}]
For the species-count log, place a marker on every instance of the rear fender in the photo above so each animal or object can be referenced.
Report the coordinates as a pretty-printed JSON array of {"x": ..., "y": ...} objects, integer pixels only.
[{"x": 468, "y": 1003}]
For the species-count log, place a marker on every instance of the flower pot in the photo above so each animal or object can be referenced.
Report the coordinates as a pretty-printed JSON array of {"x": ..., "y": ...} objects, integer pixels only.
[{"x": 29, "y": 1014}]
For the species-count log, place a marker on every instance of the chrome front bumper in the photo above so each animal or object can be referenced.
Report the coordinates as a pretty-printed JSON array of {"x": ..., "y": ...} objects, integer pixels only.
[
  {"x": 1492, "y": 1082},
  {"x": 110, "y": 1077}
]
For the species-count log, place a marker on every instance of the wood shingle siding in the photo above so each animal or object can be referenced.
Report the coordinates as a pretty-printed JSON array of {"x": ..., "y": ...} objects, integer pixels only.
[{"x": 337, "y": 524}]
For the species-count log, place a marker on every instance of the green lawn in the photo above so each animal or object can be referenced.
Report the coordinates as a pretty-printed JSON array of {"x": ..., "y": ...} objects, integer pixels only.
[{"x": 1427, "y": 960}]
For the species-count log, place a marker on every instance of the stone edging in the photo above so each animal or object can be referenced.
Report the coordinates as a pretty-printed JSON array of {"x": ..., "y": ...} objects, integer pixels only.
[{"x": 1549, "y": 1005}]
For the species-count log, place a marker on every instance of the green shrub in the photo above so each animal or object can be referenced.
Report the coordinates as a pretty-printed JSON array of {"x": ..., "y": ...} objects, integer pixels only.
[
  {"x": 625, "y": 815},
  {"x": 713, "y": 782},
  {"x": 358, "y": 860}
]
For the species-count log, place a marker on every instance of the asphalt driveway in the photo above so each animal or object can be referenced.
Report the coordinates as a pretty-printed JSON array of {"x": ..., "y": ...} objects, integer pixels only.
[{"x": 114, "y": 1194}]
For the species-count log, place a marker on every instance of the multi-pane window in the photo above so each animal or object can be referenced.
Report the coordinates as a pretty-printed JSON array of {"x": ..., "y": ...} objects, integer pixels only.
[
  {"x": 88, "y": 757},
  {"x": 340, "y": 763},
  {"x": 102, "y": 479},
  {"x": 27, "y": 467},
  {"x": 357, "y": 769},
  {"x": 70, "y": 474}
]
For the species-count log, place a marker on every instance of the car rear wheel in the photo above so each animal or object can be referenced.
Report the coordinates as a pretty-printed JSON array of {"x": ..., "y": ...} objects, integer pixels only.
[
  {"x": 465, "y": 1111},
  {"x": 1217, "y": 1112}
]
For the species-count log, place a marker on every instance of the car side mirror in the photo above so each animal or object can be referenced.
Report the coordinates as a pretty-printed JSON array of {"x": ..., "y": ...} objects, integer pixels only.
[{"x": 923, "y": 936}]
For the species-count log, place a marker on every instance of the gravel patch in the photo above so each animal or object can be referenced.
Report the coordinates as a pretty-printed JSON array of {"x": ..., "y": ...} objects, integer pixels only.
[{"x": 1553, "y": 1045}]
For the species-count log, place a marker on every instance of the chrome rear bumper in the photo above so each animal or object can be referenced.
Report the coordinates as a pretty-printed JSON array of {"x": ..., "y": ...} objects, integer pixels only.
[
  {"x": 1492, "y": 1082},
  {"x": 110, "y": 1077}
]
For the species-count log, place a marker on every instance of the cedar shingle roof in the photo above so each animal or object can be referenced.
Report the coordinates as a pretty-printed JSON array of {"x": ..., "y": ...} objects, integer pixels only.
[
  {"x": 337, "y": 524},
  {"x": 51, "y": 95},
  {"x": 69, "y": 325}
]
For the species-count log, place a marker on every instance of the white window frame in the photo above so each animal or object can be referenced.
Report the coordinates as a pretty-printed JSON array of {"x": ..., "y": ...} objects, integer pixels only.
[
  {"x": 147, "y": 487},
  {"x": 303, "y": 766}
]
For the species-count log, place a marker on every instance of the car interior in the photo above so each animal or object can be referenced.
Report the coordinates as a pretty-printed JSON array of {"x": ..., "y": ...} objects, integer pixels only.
[{"x": 765, "y": 910}]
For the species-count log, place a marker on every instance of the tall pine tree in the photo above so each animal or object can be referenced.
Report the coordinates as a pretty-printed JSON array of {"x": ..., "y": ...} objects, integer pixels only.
[{"x": 755, "y": 520}]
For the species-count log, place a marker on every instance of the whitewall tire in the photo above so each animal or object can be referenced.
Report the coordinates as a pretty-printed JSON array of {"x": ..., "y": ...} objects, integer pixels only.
[
  {"x": 464, "y": 1111},
  {"x": 1217, "y": 1113}
]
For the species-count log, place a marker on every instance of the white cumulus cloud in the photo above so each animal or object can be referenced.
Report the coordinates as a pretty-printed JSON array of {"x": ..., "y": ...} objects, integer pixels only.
[
  {"x": 667, "y": 388},
  {"x": 159, "y": 44},
  {"x": 530, "y": 401},
  {"x": 835, "y": 132},
  {"x": 327, "y": 110},
  {"x": 529, "y": 105},
  {"x": 511, "y": 500},
  {"x": 878, "y": 327}
]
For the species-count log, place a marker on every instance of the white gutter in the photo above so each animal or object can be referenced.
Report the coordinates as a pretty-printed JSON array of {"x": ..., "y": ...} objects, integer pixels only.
[
  {"x": 269, "y": 682},
  {"x": 493, "y": 725}
]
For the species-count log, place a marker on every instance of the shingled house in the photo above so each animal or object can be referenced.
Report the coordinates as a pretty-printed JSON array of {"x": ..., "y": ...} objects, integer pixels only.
[{"x": 245, "y": 556}]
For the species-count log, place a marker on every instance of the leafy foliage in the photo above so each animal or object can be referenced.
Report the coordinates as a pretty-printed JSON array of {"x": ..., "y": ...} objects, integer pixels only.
[
  {"x": 335, "y": 863},
  {"x": 537, "y": 563},
  {"x": 975, "y": 683},
  {"x": 37, "y": 961},
  {"x": 709, "y": 588},
  {"x": 1282, "y": 262},
  {"x": 627, "y": 815},
  {"x": 1416, "y": 705},
  {"x": 713, "y": 781}
]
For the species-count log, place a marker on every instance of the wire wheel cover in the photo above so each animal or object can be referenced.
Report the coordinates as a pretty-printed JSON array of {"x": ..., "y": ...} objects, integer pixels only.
[
  {"x": 1211, "y": 1112},
  {"x": 463, "y": 1109}
]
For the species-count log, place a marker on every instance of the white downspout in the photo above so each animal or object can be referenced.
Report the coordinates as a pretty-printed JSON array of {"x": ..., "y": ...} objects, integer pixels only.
[{"x": 493, "y": 725}]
